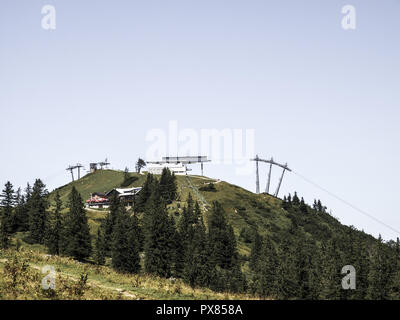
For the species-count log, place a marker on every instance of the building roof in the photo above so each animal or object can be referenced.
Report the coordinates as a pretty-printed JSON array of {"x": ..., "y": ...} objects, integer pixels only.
[{"x": 125, "y": 191}]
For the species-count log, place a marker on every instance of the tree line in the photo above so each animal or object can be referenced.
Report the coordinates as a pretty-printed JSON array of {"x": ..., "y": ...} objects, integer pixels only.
[
  {"x": 298, "y": 265},
  {"x": 303, "y": 261},
  {"x": 149, "y": 239}
]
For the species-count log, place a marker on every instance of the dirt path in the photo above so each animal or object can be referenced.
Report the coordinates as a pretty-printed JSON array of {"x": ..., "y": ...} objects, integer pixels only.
[
  {"x": 91, "y": 283},
  {"x": 94, "y": 283}
]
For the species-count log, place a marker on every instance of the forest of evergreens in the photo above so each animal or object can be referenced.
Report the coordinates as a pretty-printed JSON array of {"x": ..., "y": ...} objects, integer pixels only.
[{"x": 200, "y": 247}]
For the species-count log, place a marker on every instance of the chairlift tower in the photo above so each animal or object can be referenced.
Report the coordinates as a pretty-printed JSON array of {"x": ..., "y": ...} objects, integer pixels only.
[
  {"x": 71, "y": 169},
  {"x": 271, "y": 163}
]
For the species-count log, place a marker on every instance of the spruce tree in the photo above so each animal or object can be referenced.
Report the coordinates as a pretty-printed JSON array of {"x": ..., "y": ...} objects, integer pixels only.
[
  {"x": 145, "y": 193},
  {"x": 21, "y": 215},
  {"x": 168, "y": 185},
  {"x": 54, "y": 228},
  {"x": 7, "y": 204},
  {"x": 330, "y": 271},
  {"x": 109, "y": 223},
  {"x": 77, "y": 241},
  {"x": 125, "y": 249},
  {"x": 100, "y": 247},
  {"x": 158, "y": 244},
  {"x": 223, "y": 257},
  {"x": 197, "y": 264},
  {"x": 266, "y": 279},
  {"x": 37, "y": 212},
  {"x": 221, "y": 238},
  {"x": 178, "y": 254},
  {"x": 286, "y": 271},
  {"x": 381, "y": 272}
]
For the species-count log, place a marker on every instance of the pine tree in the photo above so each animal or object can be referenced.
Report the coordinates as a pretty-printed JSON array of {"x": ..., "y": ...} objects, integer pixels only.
[
  {"x": 37, "y": 212},
  {"x": 331, "y": 265},
  {"x": 100, "y": 247},
  {"x": 108, "y": 224},
  {"x": 395, "y": 262},
  {"x": 187, "y": 222},
  {"x": 125, "y": 249},
  {"x": 77, "y": 241},
  {"x": 221, "y": 238},
  {"x": 145, "y": 193},
  {"x": 7, "y": 204},
  {"x": 168, "y": 185},
  {"x": 307, "y": 263},
  {"x": 158, "y": 244},
  {"x": 54, "y": 228},
  {"x": 380, "y": 274},
  {"x": 296, "y": 200},
  {"x": 286, "y": 271},
  {"x": 266, "y": 278},
  {"x": 223, "y": 257},
  {"x": 21, "y": 217},
  {"x": 139, "y": 165},
  {"x": 197, "y": 264},
  {"x": 178, "y": 254}
]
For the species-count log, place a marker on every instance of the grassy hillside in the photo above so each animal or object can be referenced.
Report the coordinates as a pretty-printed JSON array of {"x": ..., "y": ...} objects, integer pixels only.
[
  {"x": 21, "y": 277},
  {"x": 245, "y": 210}
]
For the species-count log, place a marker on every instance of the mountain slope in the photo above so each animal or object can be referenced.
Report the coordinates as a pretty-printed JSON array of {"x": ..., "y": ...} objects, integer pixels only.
[{"x": 245, "y": 210}]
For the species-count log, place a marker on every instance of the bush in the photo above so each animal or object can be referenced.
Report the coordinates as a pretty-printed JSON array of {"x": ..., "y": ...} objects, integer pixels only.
[{"x": 210, "y": 187}]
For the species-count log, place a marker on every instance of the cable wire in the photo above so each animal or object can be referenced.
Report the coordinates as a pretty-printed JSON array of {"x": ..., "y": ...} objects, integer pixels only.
[{"x": 346, "y": 202}]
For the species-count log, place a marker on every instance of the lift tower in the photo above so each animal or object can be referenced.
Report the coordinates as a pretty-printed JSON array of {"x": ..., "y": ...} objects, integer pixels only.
[
  {"x": 71, "y": 169},
  {"x": 271, "y": 163}
]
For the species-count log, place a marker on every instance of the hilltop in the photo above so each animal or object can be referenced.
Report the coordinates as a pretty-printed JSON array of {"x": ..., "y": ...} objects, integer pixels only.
[
  {"x": 246, "y": 211},
  {"x": 285, "y": 248}
]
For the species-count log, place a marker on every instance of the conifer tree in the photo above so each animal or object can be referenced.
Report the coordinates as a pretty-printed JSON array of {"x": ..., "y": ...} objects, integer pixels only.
[
  {"x": 20, "y": 221},
  {"x": 158, "y": 244},
  {"x": 7, "y": 204},
  {"x": 109, "y": 223},
  {"x": 188, "y": 220},
  {"x": 37, "y": 212},
  {"x": 197, "y": 264},
  {"x": 178, "y": 254},
  {"x": 100, "y": 247},
  {"x": 330, "y": 271},
  {"x": 145, "y": 193},
  {"x": 168, "y": 185},
  {"x": 223, "y": 257},
  {"x": 125, "y": 249},
  {"x": 286, "y": 271},
  {"x": 296, "y": 200},
  {"x": 139, "y": 165},
  {"x": 54, "y": 228},
  {"x": 380, "y": 274},
  {"x": 221, "y": 238},
  {"x": 77, "y": 241},
  {"x": 307, "y": 264},
  {"x": 266, "y": 279}
]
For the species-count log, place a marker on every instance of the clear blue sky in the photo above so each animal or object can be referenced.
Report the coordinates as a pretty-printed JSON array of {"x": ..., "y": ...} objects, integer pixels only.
[{"x": 321, "y": 98}]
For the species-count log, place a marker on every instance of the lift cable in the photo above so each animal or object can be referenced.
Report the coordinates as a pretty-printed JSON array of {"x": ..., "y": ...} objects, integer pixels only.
[{"x": 346, "y": 202}]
